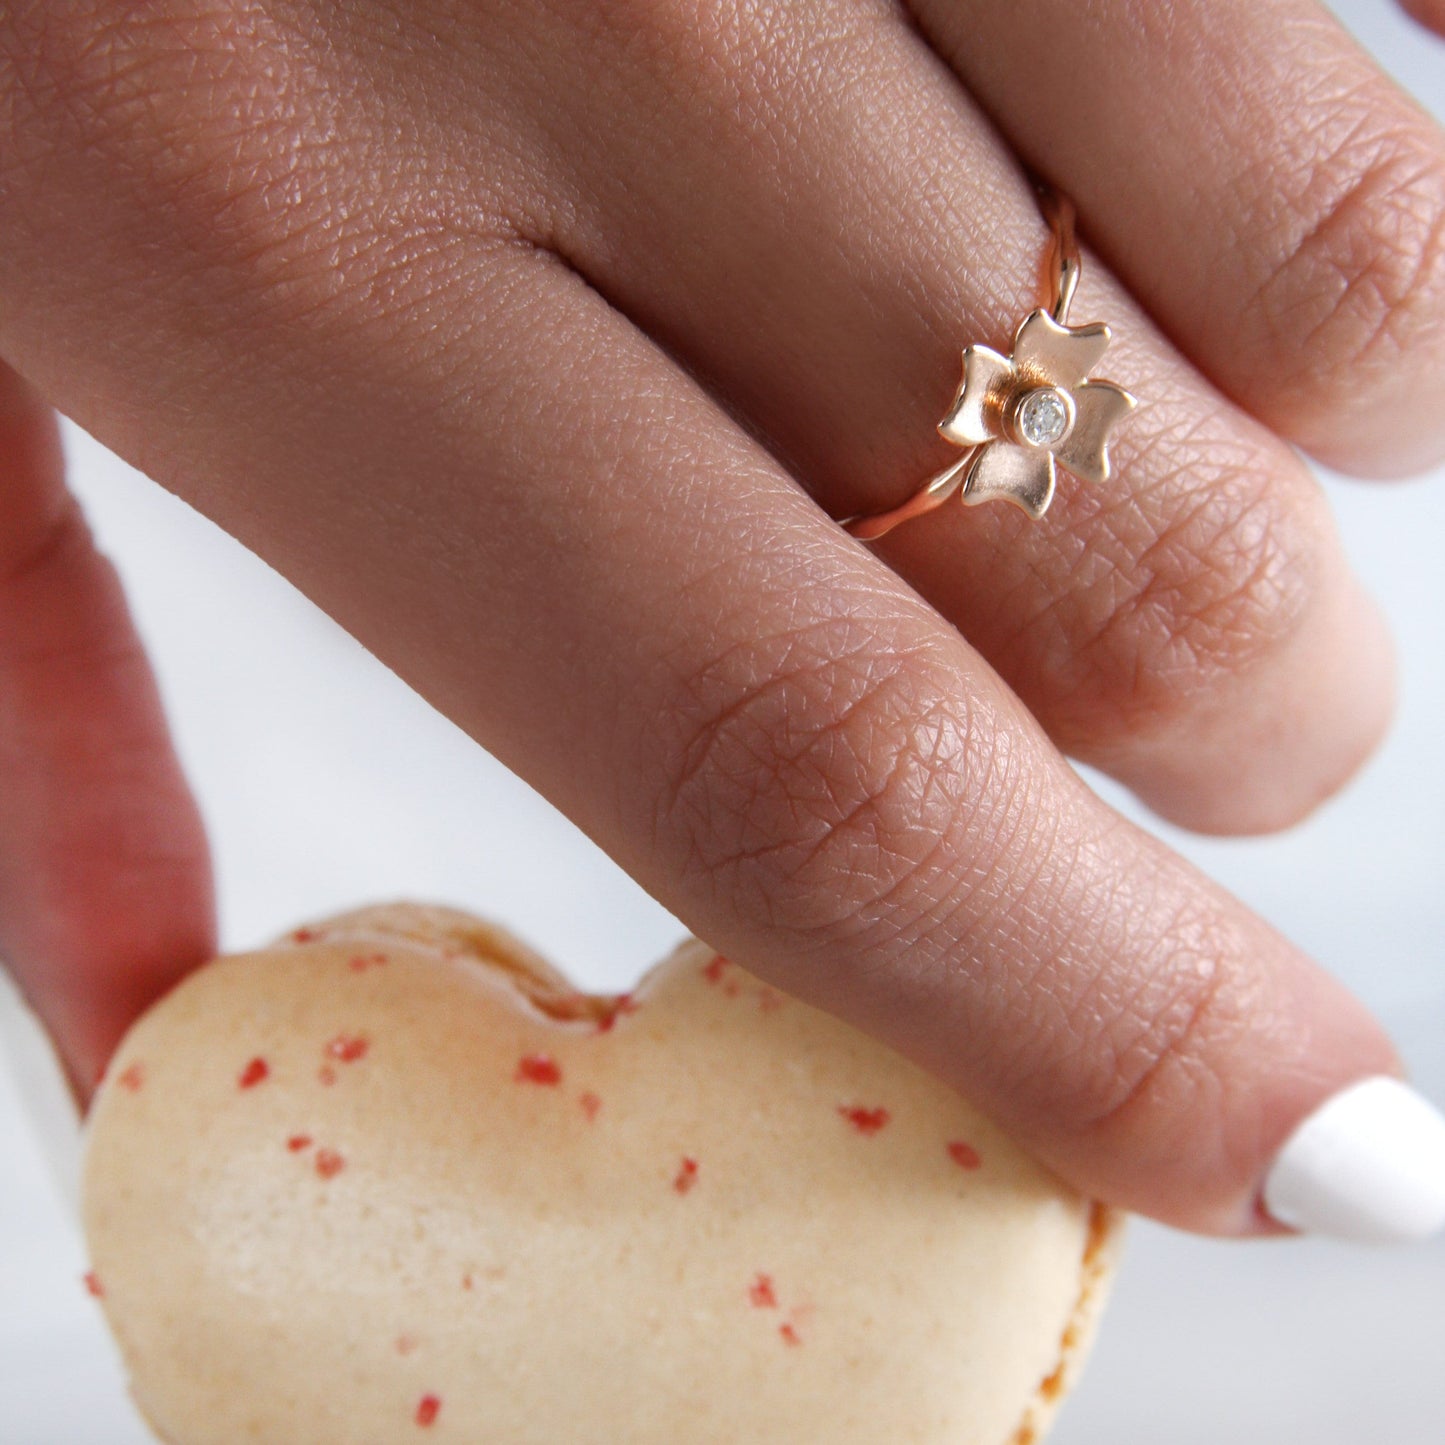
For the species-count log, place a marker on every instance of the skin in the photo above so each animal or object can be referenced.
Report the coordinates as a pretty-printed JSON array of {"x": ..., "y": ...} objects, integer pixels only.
[
  {"x": 539, "y": 340},
  {"x": 1430, "y": 13}
]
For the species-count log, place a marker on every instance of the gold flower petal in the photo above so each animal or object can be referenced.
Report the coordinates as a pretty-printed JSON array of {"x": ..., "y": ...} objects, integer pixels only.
[
  {"x": 1015, "y": 474},
  {"x": 1098, "y": 406},
  {"x": 967, "y": 422},
  {"x": 1047, "y": 354}
]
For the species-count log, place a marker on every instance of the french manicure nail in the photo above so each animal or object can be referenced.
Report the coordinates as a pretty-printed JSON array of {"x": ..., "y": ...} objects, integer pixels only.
[{"x": 1367, "y": 1165}]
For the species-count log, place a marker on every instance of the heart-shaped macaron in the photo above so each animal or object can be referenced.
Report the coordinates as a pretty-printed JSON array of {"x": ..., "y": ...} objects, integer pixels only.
[{"x": 393, "y": 1180}]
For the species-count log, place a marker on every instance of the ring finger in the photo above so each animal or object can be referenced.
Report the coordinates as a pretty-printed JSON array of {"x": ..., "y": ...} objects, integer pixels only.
[{"x": 1192, "y": 627}]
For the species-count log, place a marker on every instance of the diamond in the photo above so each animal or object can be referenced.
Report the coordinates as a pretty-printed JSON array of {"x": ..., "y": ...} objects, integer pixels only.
[{"x": 1043, "y": 417}]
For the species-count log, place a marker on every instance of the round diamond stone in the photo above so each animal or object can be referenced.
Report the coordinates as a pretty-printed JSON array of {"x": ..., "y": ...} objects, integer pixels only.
[{"x": 1043, "y": 417}]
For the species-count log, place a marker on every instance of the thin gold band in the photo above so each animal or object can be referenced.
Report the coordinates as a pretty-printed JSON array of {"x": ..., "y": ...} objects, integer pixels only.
[{"x": 1063, "y": 262}]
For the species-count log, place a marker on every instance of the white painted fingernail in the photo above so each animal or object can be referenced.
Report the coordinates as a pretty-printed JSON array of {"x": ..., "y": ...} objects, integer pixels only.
[{"x": 1368, "y": 1165}]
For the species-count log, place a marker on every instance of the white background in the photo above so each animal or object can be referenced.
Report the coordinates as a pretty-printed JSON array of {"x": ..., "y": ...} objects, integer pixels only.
[{"x": 290, "y": 731}]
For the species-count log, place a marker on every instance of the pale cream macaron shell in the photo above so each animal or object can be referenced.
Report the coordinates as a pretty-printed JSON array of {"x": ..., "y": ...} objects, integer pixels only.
[{"x": 393, "y": 1180}]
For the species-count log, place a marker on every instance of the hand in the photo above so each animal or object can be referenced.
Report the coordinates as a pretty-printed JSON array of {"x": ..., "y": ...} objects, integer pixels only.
[{"x": 538, "y": 342}]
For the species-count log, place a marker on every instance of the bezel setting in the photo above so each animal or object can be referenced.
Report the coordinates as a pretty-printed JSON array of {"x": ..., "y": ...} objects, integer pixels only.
[{"x": 1023, "y": 416}]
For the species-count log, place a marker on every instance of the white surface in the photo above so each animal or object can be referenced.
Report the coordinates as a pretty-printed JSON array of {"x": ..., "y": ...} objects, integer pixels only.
[{"x": 1206, "y": 1343}]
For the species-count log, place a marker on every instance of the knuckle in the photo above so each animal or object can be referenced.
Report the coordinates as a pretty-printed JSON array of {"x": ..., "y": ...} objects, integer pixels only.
[
  {"x": 191, "y": 106},
  {"x": 1360, "y": 278},
  {"x": 687, "y": 41},
  {"x": 116, "y": 82},
  {"x": 231, "y": 134},
  {"x": 1187, "y": 580},
  {"x": 815, "y": 779},
  {"x": 739, "y": 68},
  {"x": 695, "y": 48}
]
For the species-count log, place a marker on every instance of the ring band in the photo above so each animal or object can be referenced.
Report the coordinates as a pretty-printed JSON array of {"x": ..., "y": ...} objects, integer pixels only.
[{"x": 1022, "y": 416}]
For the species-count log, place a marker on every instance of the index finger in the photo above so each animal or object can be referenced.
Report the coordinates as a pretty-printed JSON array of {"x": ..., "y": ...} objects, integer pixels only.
[{"x": 639, "y": 613}]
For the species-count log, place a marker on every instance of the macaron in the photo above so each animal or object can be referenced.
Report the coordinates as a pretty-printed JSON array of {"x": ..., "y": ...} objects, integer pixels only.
[{"x": 392, "y": 1178}]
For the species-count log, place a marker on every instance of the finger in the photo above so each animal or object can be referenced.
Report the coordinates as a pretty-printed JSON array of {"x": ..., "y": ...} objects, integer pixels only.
[
  {"x": 1265, "y": 190},
  {"x": 546, "y": 527},
  {"x": 1193, "y": 626},
  {"x": 105, "y": 884},
  {"x": 1430, "y": 13}
]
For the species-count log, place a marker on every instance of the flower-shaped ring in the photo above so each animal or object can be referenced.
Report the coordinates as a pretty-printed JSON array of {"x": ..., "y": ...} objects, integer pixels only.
[{"x": 1023, "y": 416}]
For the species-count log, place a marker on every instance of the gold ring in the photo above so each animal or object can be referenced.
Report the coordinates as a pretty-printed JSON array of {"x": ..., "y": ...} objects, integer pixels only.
[{"x": 1022, "y": 416}]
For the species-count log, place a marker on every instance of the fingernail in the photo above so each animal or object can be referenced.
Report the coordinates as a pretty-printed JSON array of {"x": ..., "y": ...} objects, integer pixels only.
[{"x": 1367, "y": 1165}]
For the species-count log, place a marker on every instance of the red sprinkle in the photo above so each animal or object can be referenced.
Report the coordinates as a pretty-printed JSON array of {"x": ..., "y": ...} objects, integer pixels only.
[
  {"x": 686, "y": 1176},
  {"x": 329, "y": 1163},
  {"x": 789, "y": 1334},
  {"x": 964, "y": 1155},
  {"x": 590, "y": 1105},
  {"x": 362, "y": 961},
  {"x": 624, "y": 1003},
  {"x": 256, "y": 1072},
  {"x": 538, "y": 1069},
  {"x": 714, "y": 971},
  {"x": 865, "y": 1121},
  {"x": 297, "y": 1142},
  {"x": 348, "y": 1048},
  {"x": 428, "y": 1410},
  {"x": 305, "y": 935},
  {"x": 94, "y": 1286},
  {"x": 132, "y": 1078},
  {"x": 761, "y": 1293}
]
